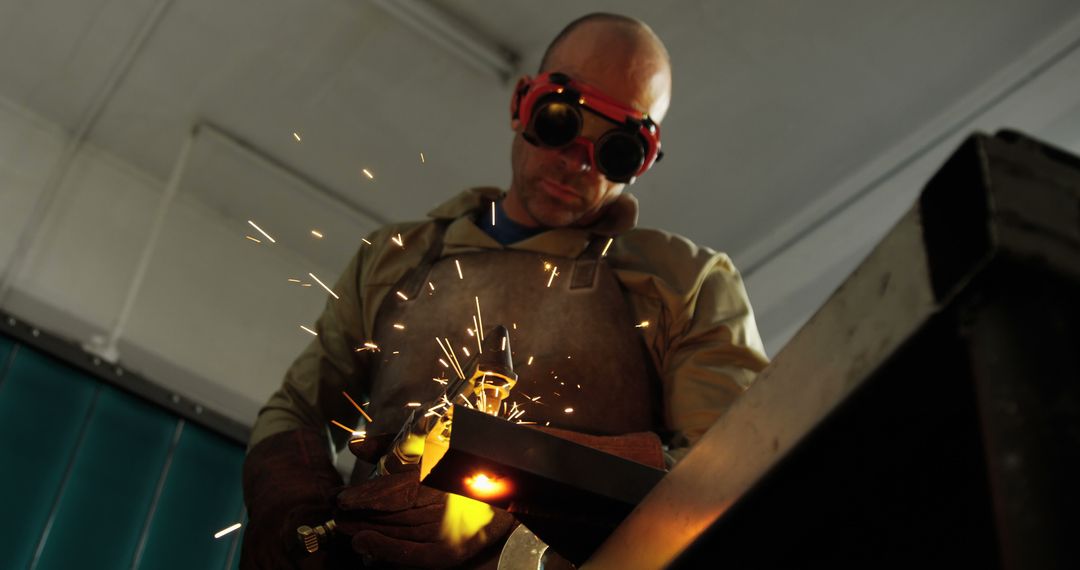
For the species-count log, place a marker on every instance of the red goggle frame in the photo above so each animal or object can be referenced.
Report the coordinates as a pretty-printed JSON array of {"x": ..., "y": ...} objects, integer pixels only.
[{"x": 546, "y": 104}]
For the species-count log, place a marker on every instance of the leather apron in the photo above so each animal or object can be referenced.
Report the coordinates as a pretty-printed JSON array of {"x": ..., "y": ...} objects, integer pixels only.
[{"x": 581, "y": 363}]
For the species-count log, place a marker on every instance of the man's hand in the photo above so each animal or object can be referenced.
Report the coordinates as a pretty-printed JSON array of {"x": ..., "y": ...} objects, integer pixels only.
[{"x": 392, "y": 518}]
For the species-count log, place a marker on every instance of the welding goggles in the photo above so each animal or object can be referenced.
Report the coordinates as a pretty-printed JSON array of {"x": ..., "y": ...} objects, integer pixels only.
[{"x": 557, "y": 111}]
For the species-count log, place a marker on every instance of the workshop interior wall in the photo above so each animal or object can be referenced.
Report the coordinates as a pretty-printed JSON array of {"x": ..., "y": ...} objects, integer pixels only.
[{"x": 94, "y": 477}]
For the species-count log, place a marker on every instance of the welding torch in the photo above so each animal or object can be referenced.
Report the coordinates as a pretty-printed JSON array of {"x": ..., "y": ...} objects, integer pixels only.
[{"x": 489, "y": 376}]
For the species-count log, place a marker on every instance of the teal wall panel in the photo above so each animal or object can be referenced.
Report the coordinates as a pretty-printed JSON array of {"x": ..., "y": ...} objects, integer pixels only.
[
  {"x": 43, "y": 408},
  {"x": 105, "y": 502},
  {"x": 5, "y": 351},
  {"x": 201, "y": 496}
]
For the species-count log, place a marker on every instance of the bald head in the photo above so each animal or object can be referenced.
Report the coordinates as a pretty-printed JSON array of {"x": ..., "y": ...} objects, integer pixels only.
[{"x": 620, "y": 55}]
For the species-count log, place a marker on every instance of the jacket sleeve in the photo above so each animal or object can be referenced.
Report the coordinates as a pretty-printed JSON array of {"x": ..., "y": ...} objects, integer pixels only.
[
  {"x": 713, "y": 355},
  {"x": 311, "y": 394}
]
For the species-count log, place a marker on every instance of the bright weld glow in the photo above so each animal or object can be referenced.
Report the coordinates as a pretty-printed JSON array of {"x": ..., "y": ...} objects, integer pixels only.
[
  {"x": 291, "y": 280},
  {"x": 493, "y": 214},
  {"x": 568, "y": 410},
  {"x": 368, "y": 174},
  {"x": 399, "y": 326},
  {"x": 422, "y": 161},
  {"x": 358, "y": 408},
  {"x": 554, "y": 272},
  {"x": 313, "y": 333},
  {"x": 402, "y": 295},
  {"x": 412, "y": 405},
  {"x": 581, "y": 100},
  {"x": 256, "y": 240},
  {"x": 458, "y": 264},
  {"x": 317, "y": 234},
  {"x": 333, "y": 294},
  {"x": 529, "y": 363},
  {"x": 365, "y": 241},
  {"x": 609, "y": 241},
  {"x": 296, "y": 136},
  {"x": 642, "y": 325},
  {"x": 227, "y": 530},
  {"x": 482, "y": 485},
  {"x": 254, "y": 225},
  {"x": 547, "y": 266}
]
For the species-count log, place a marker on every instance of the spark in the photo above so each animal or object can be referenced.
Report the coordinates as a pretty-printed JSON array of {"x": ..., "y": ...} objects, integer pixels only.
[
  {"x": 399, "y": 326},
  {"x": 328, "y": 290},
  {"x": 458, "y": 264},
  {"x": 479, "y": 319},
  {"x": 568, "y": 411},
  {"x": 368, "y": 174},
  {"x": 547, "y": 266},
  {"x": 465, "y": 349},
  {"x": 470, "y": 332},
  {"x": 557, "y": 394},
  {"x": 365, "y": 241},
  {"x": 256, "y": 240},
  {"x": 397, "y": 239},
  {"x": 254, "y": 225},
  {"x": 305, "y": 284},
  {"x": 603, "y": 253},
  {"x": 396, "y": 352},
  {"x": 504, "y": 344},
  {"x": 292, "y": 280},
  {"x": 357, "y": 406},
  {"x": 432, "y": 285},
  {"x": 450, "y": 356},
  {"x": 313, "y": 333},
  {"x": 529, "y": 363},
  {"x": 554, "y": 272},
  {"x": 454, "y": 358},
  {"x": 479, "y": 346},
  {"x": 403, "y": 296},
  {"x": 422, "y": 161},
  {"x": 317, "y": 234},
  {"x": 526, "y": 423},
  {"x": 371, "y": 345},
  {"x": 442, "y": 381},
  {"x": 493, "y": 213},
  {"x": 443, "y": 362},
  {"x": 547, "y": 423},
  {"x": 412, "y": 405},
  {"x": 227, "y": 530},
  {"x": 343, "y": 426},
  {"x": 476, "y": 327},
  {"x": 515, "y": 326},
  {"x": 642, "y": 325},
  {"x": 536, "y": 399},
  {"x": 296, "y": 136}
]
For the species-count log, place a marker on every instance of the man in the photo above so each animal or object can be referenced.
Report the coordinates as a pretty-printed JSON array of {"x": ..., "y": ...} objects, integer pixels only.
[{"x": 634, "y": 337}]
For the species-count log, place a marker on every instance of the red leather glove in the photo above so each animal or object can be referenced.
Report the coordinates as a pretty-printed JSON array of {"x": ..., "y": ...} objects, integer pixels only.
[
  {"x": 289, "y": 481},
  {"x": 394, "y": 519}
]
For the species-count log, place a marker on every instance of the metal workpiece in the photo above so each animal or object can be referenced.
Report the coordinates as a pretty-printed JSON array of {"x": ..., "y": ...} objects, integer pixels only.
[{"x": 927, "y": 415}]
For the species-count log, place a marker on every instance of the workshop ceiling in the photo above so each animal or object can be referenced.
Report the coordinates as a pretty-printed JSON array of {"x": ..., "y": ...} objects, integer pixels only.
[{"x": 775, "y": 101}]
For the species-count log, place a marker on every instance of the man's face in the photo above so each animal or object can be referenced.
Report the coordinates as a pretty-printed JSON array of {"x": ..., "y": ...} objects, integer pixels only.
[{"x": 557, "y": 187}]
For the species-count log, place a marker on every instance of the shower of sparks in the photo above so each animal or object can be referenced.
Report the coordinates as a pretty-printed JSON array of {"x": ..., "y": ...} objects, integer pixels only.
[
  {"x": 317, "y": 234},
  {"x": 493, "y": 214},
  {"x": 397, "y": 239},
  {"x": 344, "y": 427},
  {"x": 642, "y": 325},
  {"x": 256, "y": 240},
  {"x": 365, "y": 241},
  {"x": 333, "y": 294},
  {"x": 529, "y": 363},
  {"x": 296, "y": 136},
  {"x": 225, "y": 531},
  {"x": 412, "y": 405},
  {"x": 568, "y": 411},
  {"x": 479, "y": 319},
  {"x": 554, "y": 272},
  {"x": 578, "y": 386},
  {"x": 403, "y": 296},
  {"x": 266, "y": 235},
  {"x": 422, "y": 161},
  {"x": 358, "y": 408},
  {"x": 458, "y": 264},
  {"x": 313, "y": 333},
  {"x": 606, "y": 246},
  {"x": 450, "y": 357},
  {"x": 368, "y": 174},
  {"x": 399, "y": 326},
  {"x": 293, "y": 280}
]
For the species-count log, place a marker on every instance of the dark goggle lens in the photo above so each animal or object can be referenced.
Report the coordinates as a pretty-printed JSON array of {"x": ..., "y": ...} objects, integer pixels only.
[
  {"x": 619, "y": 156},
  {"x": 557, "y": 124}
]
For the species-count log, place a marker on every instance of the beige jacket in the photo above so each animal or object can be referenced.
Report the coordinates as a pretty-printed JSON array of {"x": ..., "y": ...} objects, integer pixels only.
[{"x": 701, "y": 336}]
